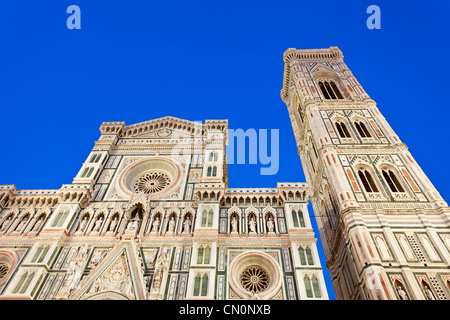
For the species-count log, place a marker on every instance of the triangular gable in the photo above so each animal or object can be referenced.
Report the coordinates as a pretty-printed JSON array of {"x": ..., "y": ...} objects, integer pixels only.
[{"x": 119, "y": 274}]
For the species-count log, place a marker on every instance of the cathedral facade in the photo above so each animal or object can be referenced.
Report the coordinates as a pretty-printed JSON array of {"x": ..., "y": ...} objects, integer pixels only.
[
  {"x": 385, "y": 228},
  {"x": 149, "y": 216}
]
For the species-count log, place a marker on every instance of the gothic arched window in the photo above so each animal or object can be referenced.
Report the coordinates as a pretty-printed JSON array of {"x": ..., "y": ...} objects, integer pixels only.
[
  {"x": 214, "y": 171},
  {"x": 392, "y": 181},
  {"x": 362, "y": 129},
  {"x": 209, "y": 172},
  {"x": 342, "y": 129},
  {"x": 367, "y": 181},
  {"x": 330, "y": 90}
]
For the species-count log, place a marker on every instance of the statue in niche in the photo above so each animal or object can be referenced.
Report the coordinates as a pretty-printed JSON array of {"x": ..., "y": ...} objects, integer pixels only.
[
  {"x": 428, "y": 293},
  {"x": 113, "y": 224},
  {"x": 98, "y": 224},
  {"x": 150, "y": 258},
  {"x": 96, "y": 257},
  {"x": 156, "y": 223},
  {"x": 252, "y": 225},
  {"x": 133, "y": 224},
  {"x": 161, "y": 267},
  {"x": 22, "y": 223},
  {"x": 270, "y": 224},
  {"x": 5, "y": 224},
  {"x": 402, "y": 293},
  {"x": 171, "y": 228},
  {"x": 187, "y": 225},
  {"x": 234, "y": 225},
  {"x": 83, "y": 223},
  {"x": 75, "y": 271},
  {"x": 38, "y": 224}
]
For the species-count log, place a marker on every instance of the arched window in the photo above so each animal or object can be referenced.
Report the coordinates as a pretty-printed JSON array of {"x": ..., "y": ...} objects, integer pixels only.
[
  {"x": 301, "y": 219},
  {"x": 298, "y": 219},
  {"x": 392, "y": 181},
  {"x": 85, "y": 172},
  {"x": 301, "y": 253},
  {"x": 362, "y": 129},
  {"x": 204, "y": 285},
  {"x": 330, "y": 90},
  {"x": 308, "y": 288},
  {"x": 209, "y": 172},
  {"x": 211, "y": 156},
  {"x": 315, "y": 284},
  {"x": 294, "y": 218},
  {"x": 342, "y": 129},
  {"x": 207, "y": 218},
  {"x": 214, "y": 171},
  {"x": 201, "y": 285},
  {"x": 367, "y": 180},
  {"x": 216, "y": 156},
  {"x": 90, "y": 172},
  {"x": 200, "y": 255},
  {"x": 309, "y": 256}
]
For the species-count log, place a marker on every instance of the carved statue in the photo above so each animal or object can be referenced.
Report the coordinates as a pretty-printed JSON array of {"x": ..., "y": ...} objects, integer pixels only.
[
  {"x": 187, "y": 225},
  {"x": 5, "y": 224},
  {"x": 38, "y": 224},
  {"x": 98, "y": 224},
  {"x": 150, "y": 258},
  {"x": 113, "y": 224},
  {"x": 75, "y": 271},
  {"x": 234, "y": 224},
  {"x": 83, "y": 224},
  {"x": 171, "y": 225},
  {"x": 252, "y": 225},
  {"x": 428, "y": 293},
  {"x": 133, "y": 224},
  {"x": 270, "y": 224},
  {"x": 402, "y": 293},
  {"x": 156, "y": 224},
  {"x": 21, "y": 225}
]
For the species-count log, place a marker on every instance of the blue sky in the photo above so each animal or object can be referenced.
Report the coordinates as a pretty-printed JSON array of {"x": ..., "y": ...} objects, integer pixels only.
[{"x": 138, "y": 60}]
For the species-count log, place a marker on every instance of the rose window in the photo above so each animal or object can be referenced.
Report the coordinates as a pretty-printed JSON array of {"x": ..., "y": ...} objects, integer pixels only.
[
  {"x": 254, "y": 279},
  {"x": 152, "y": 182},
  {"x": 4, "y": 268}
]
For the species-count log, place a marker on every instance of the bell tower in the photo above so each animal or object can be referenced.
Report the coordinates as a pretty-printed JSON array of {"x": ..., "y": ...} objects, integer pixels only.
[{"x": 384, "y": 226}]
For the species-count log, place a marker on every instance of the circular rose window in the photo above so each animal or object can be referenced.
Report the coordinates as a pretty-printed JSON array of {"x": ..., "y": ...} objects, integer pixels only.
[
  {"x": 255, "y": 273},
  {"x": 4, "y": 268},
  {"x": 155, "y": 176},
  {"x": 152, "y": 182},
  {"x": 254, "y": 279}
]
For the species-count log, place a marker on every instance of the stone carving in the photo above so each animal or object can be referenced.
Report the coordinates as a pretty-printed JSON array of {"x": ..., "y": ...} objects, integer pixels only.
[
  {"x": 402, "y": 293},
  {"x": 171, "y": 228},
  {"x": 133, "y": 224},
  {"x": 155, "y": 227},
  {"x": 98, "y": 224},
  {"x": 150, "y": 258},
  {"x": 116, "y": 278},
  {"x": 22, "y": 224},
  {"x": 96, "y": 258},
  {"x": 5, "y": 224},
  {"x": 83, "y": 224},
  {"x": 113, "y": 224},
  {"x": 161, "y": 267},
  {"x": 38, "y": 224},
  {"x": 252, "y": 225},
  {"x": 428, "y": 293},
  {"x": 234, "y": 225},
  {"x": 75, "y": 271},
  {"x": 187, "y": 225},
  {"x": 270, "y": 224}
]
